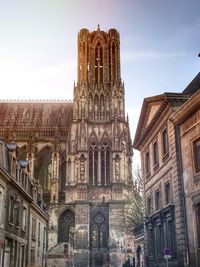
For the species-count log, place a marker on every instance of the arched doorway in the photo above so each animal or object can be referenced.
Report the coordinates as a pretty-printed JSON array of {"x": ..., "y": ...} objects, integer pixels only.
[
  {"x": 65, "y": 224},
  {"x": 99, "y": 228}
]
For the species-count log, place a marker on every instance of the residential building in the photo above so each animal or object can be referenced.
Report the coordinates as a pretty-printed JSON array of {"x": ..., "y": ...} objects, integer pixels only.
[
  {"x": 164, "y": 160},
  {"x": 187, "y": 123},
  {"x": 20, "y": 205}
]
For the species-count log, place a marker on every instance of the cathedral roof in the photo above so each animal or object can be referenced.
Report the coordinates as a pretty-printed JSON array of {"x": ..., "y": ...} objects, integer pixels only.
[{"x": 35, "y": 113}]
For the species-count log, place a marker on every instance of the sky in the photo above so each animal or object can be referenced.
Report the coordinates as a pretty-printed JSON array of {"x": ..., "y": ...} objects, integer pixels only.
[{"x": 160, "y": 41}]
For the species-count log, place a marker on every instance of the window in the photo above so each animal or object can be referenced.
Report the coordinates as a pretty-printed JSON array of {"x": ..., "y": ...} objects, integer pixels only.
[
  {"x": 33, "y": 230},
  {"x": 113, "y": 62},
  {"x": 24, "y": 218},
  {"x": 98, "y": 63},
  {"x": 17, "y": 212},
  {"x": 99, "y": 164},
  {"x": 155, "y": 154},
  {"x": 105, "y": 164},
  {"x": 147, "y": 163},
  {"x": 149, "y": 205},
  {"x": 11, "y": 210},
  {"x": 198, "y": 224},
  {"x": 63, "y": 173},
  {"x": 157, "y": 200},
  {"x": 65, "y": 225},
  {"x": 196, "y": 147},
  {"x": 93, "y": 164},
  {"x": 43, "y": 168},
  {"x": 32, "y": 256},
  {"x": 159, "y": 240},
  {"x": 167, "y": 193},
  {"x": 165, "y": 145}
]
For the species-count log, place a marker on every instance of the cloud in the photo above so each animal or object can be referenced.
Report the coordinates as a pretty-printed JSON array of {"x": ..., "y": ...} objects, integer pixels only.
[{"x": 51, "y": 82}]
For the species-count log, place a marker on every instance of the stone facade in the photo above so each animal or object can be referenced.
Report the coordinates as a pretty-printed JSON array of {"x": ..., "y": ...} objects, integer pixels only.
[
  {"x": 80, "y": 152},
  {"x": 20, "y": 200},
  {"x": 164, "y": 222},
  {"x": 4, "y": 179},
  {"x": 167, "y": 137},
  {"x": 187, "y": 122}
]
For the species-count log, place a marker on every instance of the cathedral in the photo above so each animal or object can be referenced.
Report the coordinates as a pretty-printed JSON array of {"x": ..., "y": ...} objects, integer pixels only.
[{"x": 80, "y": 152}]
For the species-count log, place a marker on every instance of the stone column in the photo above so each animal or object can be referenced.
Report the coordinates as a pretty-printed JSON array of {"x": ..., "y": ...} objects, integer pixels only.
[{"x": 99, "y": 167}]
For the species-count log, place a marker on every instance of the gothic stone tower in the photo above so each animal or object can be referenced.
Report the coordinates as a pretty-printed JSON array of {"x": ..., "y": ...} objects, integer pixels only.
[{"x": 99, "y": 152}]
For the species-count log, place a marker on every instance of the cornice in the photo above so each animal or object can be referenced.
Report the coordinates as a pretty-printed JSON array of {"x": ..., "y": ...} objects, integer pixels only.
[
  {"x": 169, "y": 100},
  {"x": 188, "y": 108}
]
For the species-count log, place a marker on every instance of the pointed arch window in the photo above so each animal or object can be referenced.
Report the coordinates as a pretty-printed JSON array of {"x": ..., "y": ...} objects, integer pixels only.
[
  {"x": 105, "y": 164},
  {"x": 44, "y": 168},
  {"x": 113, "y": 62},
  {"x": 63, "y": 176},
  {"x": 93, "y": 164},
  {"x": 99, "y": 229},
  {"x": 65, "y": 224},
  {"x": 99, "y": 63}
]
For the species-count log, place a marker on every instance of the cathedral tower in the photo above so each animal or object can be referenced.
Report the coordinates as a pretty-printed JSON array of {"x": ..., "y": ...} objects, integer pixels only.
[
  {"x": 99, "y": 151},
  {"x": 99, "y": 93},
  {"x": 79, "y": 152}
]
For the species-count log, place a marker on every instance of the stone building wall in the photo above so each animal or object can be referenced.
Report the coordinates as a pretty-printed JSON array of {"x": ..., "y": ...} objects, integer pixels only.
[
  {"x": 187, "y": 121},
  {"x": 164, "y": 222}
]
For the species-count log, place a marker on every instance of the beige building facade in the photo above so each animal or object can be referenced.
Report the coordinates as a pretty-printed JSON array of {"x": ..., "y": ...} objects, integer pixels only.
[
  {"x": 167, "y": 138},
  {"x": 17, "y": 205},
  {"x": 187, "y": 122}
]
